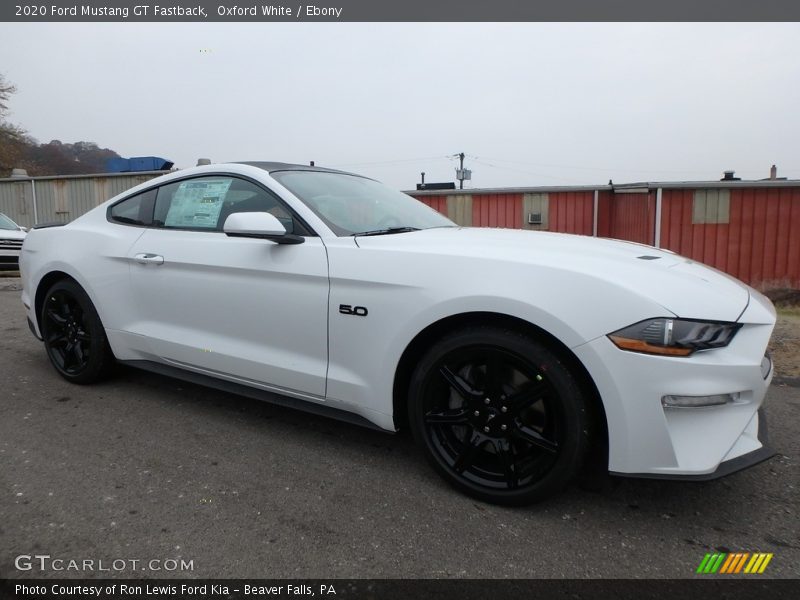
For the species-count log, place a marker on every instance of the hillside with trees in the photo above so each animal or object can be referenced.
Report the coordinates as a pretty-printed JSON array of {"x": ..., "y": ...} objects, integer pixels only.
[{"x": 19, "y": 150}]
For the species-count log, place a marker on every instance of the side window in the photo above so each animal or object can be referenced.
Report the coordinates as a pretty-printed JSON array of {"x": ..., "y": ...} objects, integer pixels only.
[
  {"x": 191, "y": 204},
  {"x": 205, "y": 203},
  {"x": 136, "y": 210}
]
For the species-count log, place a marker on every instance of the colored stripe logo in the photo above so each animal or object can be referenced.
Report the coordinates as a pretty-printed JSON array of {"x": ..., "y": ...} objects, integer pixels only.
[{"x": 734, "y": 562}]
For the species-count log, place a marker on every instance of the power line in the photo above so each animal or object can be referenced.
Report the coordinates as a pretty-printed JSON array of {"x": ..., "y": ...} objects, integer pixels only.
[
  {"x": 392, "y": 162},
  {"x": 487, "y": 164},
  {"x": 579, "y": 168}
]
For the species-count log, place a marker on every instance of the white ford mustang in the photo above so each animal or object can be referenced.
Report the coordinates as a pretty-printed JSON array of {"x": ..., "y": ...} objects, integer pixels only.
[{"x": 516, "y": 358}]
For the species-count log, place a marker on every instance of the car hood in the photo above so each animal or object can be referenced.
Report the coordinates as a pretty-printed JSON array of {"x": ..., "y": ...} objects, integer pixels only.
[
  {"x": 682, "y": 286},
  {"x": 12, "y": 234}
]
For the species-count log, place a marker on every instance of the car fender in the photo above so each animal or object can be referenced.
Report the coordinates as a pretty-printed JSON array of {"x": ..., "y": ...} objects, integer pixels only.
[{"x": 365, "y": 376}]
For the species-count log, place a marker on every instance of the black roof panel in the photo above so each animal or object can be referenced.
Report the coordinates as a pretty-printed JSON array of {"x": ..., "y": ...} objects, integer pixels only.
[{"x": 278, "y": 166}]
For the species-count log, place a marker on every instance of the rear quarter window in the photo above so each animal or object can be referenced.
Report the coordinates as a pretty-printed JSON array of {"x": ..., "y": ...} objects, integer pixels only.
[{"x": 136, "y": 210}]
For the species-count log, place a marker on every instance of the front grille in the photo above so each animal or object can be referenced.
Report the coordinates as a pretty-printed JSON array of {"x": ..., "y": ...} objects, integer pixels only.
[
  {"x": 7, "y": 262},
  {"x": 14, "y": 244}
]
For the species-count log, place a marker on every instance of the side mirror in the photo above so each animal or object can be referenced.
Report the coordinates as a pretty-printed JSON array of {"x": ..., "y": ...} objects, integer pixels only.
[
  {"x": 259, "y": 225},
  {"x": 21, "y": 228}
]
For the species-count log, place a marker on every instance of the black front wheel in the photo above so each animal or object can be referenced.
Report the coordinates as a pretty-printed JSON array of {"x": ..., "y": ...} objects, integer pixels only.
[
  {"x": 73, "y": 334},
  {"x": 499, "y": 415}
]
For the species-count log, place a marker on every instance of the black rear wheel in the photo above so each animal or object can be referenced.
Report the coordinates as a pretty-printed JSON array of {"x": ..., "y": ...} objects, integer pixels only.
[
  {"x": 499, "y": 416},
  {"x": 73, "y": 334}
]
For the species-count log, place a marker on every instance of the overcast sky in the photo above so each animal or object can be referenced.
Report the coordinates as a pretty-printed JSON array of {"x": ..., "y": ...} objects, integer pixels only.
[{"x": 530, "y": 104}]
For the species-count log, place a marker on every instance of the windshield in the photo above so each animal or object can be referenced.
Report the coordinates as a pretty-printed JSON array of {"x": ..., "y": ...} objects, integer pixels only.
[
  {"x": 6, "y": 223},
  {"x": 350, "y": 205}
]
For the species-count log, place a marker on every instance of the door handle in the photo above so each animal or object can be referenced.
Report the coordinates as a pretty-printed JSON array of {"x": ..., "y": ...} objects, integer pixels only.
[{"x": 145, "y": 258}]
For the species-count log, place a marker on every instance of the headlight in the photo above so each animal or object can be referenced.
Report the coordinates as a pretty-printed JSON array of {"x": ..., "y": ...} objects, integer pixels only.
[{"x": 674, "y": 337}]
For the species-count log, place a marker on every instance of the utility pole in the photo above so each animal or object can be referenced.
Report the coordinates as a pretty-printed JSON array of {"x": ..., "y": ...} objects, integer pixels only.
[{"x": 461, "y": 172}]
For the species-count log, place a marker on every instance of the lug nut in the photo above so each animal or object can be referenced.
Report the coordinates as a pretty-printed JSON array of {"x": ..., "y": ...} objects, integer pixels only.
[
  {"x": 487, "y": 401},
  {"x": 486, "y": 429},
  {"x": 503, "y": 427},
  {"x": 503, "y": 409},
  {"x": 477, "y": 413}
]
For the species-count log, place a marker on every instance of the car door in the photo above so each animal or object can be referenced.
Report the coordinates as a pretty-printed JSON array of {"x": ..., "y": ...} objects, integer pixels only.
[{"x": 247, "y": 310}]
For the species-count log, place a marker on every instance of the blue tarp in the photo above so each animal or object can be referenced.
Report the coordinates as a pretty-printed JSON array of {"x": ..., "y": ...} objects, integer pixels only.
[{"x": 138, "y": 163}]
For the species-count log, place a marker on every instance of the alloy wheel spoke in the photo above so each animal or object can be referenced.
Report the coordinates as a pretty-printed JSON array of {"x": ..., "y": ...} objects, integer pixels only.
[
  {"x": 68, "y": 355},
  {"x": 58, "y": 356},
  {"x": 57, "y": 339},
  {"x": 79, "y": 355},
  {"x": 528, "y": 395},
  {"x": 493, "y": 384},
  {"x": 505, "y": 455},
  {"x": 534, "y": 438},
  {"x": 455, "y": 416},
  {"x": 55, "y": 317},
  {"x": 468, "y": 454},
  {"x": 458, "y": 384}
]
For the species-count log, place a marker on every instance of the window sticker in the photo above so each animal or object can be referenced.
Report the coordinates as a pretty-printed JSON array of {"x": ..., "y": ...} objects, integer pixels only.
[{"x": 197, "y": 203}]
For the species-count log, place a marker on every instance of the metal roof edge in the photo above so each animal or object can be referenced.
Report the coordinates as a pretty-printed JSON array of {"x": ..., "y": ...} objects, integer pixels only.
[
  {"x": 622, "y": 187},
  {"x": 83, "y": 176},
  {"x": 760, "y": 183},
  {"x": 513, "y": 190}
]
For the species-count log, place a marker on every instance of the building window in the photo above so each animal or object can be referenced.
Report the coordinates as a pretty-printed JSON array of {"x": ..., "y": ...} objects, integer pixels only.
[{"x": 711, "y": 206}]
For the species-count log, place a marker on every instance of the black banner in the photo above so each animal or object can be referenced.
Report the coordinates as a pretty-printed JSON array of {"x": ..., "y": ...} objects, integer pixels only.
[
  {"x": 406, "y": 10},
  {"x": 750, "y": 588}
]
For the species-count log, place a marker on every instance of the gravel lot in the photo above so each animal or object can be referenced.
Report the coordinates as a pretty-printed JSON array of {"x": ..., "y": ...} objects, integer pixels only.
[
  {"x": 143, "y": 467},
  {"x": 785, "y": 344}
]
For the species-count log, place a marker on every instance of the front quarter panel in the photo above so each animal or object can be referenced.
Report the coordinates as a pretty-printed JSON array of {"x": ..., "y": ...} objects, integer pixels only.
[{"x": 407, "y": 290}]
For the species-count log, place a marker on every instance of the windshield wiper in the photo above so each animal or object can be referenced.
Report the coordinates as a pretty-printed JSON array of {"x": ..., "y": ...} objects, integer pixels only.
[{"x": 387, "y": 231}]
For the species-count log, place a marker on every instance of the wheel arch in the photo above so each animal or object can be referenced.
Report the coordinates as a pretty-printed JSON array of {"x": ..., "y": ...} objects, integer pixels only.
[
  {"x": 45, "y": 283},
  {"x": 434, "y": 331}
]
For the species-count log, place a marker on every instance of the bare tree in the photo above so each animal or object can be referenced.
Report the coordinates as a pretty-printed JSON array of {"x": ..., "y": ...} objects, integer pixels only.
[
  {"x": 19, "y": 149},
  {"x": 6, "y": 89}
]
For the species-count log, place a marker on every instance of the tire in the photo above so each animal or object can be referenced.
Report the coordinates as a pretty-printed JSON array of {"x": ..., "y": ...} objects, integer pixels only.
[
  {"x": 498, "y": 415},
  {"x": 73, "y": 334}
]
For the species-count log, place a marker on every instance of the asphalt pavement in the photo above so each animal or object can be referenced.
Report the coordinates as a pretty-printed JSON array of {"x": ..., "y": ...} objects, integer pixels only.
[{"x": 145, "y": 468}]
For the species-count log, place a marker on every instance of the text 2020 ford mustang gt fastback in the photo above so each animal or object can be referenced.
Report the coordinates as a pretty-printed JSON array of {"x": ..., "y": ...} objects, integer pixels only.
[{"x": 514, "y": 357}]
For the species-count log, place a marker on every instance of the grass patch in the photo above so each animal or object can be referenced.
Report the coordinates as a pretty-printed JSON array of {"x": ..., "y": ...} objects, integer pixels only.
[{"x": 788, "y": 311}]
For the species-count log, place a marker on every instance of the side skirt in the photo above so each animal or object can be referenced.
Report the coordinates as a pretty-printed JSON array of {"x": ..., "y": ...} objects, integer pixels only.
[{"x": 254, "y": 393}]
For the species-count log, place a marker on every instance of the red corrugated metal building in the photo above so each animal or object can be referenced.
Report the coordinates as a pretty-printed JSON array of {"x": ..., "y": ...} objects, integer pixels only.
[{"x": 750, "y": 229}]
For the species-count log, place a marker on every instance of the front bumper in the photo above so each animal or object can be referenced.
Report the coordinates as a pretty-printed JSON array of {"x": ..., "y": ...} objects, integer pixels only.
[
  {"x": 727, "y": 467},
  {"x": 647, "y": 439},
  {"x": 35, "y": 333}
]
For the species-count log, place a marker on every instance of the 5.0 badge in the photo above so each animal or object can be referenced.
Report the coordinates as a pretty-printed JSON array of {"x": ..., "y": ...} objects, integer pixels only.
[{"x": 359, "y": 311}]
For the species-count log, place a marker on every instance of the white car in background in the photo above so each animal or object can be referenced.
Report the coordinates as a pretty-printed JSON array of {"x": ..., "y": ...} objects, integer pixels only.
[
  {"x": 515, "y": 357},
  {"x": 11, "y": 238}
]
